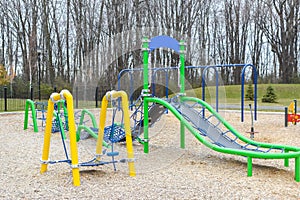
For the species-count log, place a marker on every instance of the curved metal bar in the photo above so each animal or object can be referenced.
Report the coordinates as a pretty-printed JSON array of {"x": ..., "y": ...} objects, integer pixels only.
[
  {"x": 203, "y": 82},
  {"x": 123, "y": 71},
  {"x": 217, "y": 86},
  {"x": 254, "y": 71},
  {"x": 166, "y": 69}
]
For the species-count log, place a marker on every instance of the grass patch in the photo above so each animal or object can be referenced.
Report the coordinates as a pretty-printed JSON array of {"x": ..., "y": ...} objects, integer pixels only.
[{"x": 230, "y": 94}]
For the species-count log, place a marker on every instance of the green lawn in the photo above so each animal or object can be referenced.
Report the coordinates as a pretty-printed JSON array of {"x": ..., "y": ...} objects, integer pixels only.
[
  {"x": 227, "y": 94},
  {"x": 19, "y": 104},
  {"x": 232, "y": 93}
]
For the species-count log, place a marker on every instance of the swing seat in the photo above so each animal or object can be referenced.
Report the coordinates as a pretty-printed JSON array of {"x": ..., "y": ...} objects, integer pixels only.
[{"x": 114, "y": 133}]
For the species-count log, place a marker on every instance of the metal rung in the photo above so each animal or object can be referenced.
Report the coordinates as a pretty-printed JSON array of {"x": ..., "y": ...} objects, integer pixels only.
[
  {"x": 112, "y": 154},
  {"x": 127, "y": 160}
]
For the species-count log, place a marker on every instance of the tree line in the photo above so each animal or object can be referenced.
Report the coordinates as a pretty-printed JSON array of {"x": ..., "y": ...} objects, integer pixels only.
[{"x": 68, "y": 41}]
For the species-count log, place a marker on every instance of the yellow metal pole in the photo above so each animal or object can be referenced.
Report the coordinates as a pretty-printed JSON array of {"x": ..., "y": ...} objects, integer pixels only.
[
  {"x": 72, "y": 131},
  {"x": 64, "y": 94},
  {"x": 125, "y": 105},
  {"x": 129, "y": 146},
  {"x": 47, "y": 135},
  {"x": 101, "y": 127},
  {"x": 109, "y": 96}
]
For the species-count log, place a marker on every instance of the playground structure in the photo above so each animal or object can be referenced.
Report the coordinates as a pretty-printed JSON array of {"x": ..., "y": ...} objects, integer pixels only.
[
  {"x": 155, "y": 112},
  {"x": 290, "y": 114},
  {"x": 96, "y": 161},
  {"x": 92, "y": 131},
  {"x": 168, "y": 70},
  {"x": 38, "y": 112},
  {"x": 252, "y": 132},
  {"x": 209, "y": 128}
]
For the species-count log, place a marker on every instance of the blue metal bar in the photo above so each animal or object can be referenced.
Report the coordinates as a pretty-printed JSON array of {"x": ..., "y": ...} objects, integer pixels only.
[
  {"x": 203, "y": 81},
  {"x": 254, "y": 71},
  {"x": 130, "y": 91},
  {"x": 166, "y": 69},
  {"x": 217, "y": 86}
]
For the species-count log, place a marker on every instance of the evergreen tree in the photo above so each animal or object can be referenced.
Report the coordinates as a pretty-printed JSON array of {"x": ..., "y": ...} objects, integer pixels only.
[
  {"x": 270, "y": 96},
  {"x": 249, "y": 93}
]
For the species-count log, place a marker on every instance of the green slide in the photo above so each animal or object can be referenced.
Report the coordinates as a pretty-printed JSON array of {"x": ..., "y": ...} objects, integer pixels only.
[{"x": 216, "y": 133}]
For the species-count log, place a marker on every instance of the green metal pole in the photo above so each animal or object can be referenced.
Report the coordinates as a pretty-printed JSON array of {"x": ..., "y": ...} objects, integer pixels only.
[
  {"x": 90, "y": 114},
  {"x": 286, "y": 160},
  {"x": 31, "y": 104},
  {"x": 182, "y": 135},
  {"x": 66, "y": 115},
  {"x": 182, "y": 75},
  {"x": 182, "y": 90},
  {"x": 297, "y": 169},
  {"x": 145, "y": 49},
  {"x": 249, "y": 166},
  {"x": 26, "y": 115},
  {"x": 146, "y": 125}
]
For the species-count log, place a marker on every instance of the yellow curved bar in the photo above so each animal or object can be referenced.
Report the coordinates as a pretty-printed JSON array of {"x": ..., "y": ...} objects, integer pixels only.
[
  {"x": 109, "y": 96},
  {"x": 47, "y": 134},
  {"x": 64, "y": 94},
  {"x": 72, "y": 131},
  {"x": 101, "y": 127}
]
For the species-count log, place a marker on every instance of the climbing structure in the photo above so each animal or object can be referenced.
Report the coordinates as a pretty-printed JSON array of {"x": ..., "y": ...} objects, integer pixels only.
[
  {"x": 209, "y": 128},
  {"x": 96, "y": 160}
]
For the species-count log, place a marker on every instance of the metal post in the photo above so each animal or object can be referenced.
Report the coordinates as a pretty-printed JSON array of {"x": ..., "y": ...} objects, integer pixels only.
[
  {"x": 182, "y": 89},
  {"x": 5, "y": 98},
  {"x": 285, "y": 117},
  {"x": 297, "y": 169},
  {"x": 76, "y": 102},
  {"x": 286, "y": 160},
  {"x": 96, "y": 96},
  {"x": 254, "y": 72},
  {"x": 145, "y": 92},
  {"x": 249, "y": 166},
  {"x": 31, "y": 93},
  {"x": 242, "y": 97},
  {"x": 39, "y": 75},
  {"x": 295, "y": 109}
]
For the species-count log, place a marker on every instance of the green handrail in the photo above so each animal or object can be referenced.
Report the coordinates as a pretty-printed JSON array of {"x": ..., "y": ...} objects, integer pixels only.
[
  {"x": 81, "y": 126},
  {"x": 83, "y": 113},
  {"x": 30, "y": 103},
  {"x": 289, "y": 151}
]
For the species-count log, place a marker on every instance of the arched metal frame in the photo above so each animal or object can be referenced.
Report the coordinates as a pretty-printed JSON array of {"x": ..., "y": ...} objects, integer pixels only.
[
  {"x": 217, "y": 85},
  {"x": 254, "y": 71},
  {"x": 244, "y": 67}
]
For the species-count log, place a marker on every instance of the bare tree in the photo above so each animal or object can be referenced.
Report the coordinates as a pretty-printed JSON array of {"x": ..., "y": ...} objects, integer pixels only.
[
  {"x": 280, "y": 26},
  {"x": 93, "y": 40},
  {"x": 237, "y": 22}
]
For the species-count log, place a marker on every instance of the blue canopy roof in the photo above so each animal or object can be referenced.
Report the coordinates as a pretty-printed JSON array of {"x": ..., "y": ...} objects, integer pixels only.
[{"x": 164, "y": 41}]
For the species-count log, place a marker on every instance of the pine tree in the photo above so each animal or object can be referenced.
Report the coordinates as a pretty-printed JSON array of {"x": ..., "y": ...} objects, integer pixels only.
[
  {"x": 249, "y": 93},
  {"x": 270, "y": 96}
]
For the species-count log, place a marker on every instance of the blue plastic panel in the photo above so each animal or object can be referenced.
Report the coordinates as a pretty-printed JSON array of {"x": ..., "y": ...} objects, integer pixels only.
[{"x": 164, "y": 41}]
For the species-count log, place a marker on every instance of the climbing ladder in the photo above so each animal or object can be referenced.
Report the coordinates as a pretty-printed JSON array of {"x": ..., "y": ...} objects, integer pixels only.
[{"x": 210, "y": 127}]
